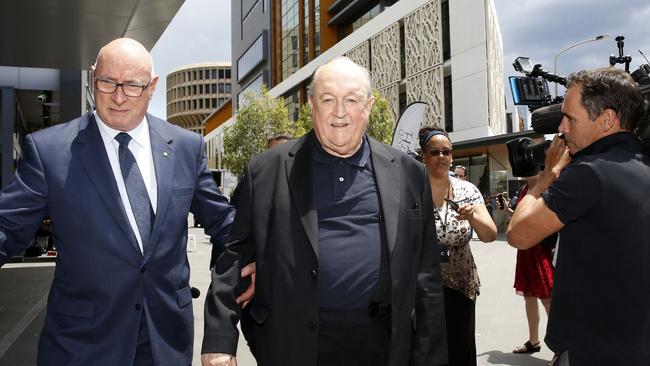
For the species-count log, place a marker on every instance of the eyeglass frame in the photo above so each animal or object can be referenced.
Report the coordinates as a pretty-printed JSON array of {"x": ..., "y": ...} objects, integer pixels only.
[
  {"x": 436, "y": 152},
  {"x": 121, "y": 85}
]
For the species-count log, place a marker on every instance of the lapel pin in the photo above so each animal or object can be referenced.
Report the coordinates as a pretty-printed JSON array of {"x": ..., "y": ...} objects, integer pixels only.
[{"x": 165, "y": 154}]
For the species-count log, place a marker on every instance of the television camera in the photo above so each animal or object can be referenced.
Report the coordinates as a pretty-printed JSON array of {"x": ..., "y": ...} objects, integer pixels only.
[{"x": 527, "y": 158}]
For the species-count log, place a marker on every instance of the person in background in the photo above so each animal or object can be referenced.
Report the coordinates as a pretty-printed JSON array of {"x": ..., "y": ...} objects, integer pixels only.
[
  {"x": 489, "y": 205},
  {"x": 460, "y": 172},
  {"x": 534, "y": 280},
  {"x": 277, "y": 140},
  {"x": 459, "y": 209}
]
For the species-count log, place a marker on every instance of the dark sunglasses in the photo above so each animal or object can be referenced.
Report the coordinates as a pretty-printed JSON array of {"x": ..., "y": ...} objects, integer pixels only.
[{"x": 436, "y": 152}]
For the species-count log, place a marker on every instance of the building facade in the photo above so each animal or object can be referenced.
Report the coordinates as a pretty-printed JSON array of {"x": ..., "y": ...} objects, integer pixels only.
[
  {"x": 445, "y": 53},
  {"x": 194, "y": 92},
  {"x": 44, "y": 77}
]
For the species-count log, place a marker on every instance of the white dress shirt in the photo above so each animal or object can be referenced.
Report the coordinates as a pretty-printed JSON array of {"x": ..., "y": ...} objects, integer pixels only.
[{"x": 140, "y": 146}]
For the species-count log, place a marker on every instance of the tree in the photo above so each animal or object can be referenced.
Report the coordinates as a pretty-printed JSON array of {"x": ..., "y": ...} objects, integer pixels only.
[
  {"x": 260, "y": 118},
  {"x": 303, "y": 123},
  {"x": 381, "y": 124},
  {"x": 380, "y": 127}
]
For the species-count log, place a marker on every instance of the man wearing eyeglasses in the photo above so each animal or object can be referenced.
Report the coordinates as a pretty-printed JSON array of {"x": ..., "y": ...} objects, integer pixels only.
[{"x": 118, "y": 184}]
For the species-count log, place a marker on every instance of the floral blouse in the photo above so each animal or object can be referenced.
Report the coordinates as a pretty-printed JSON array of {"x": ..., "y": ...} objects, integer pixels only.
[{"x": 459, "y": 272}]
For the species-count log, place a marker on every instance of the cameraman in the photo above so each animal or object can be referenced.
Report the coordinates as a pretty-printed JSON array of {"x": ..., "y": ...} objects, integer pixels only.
[{"x": 594, "y": 191}]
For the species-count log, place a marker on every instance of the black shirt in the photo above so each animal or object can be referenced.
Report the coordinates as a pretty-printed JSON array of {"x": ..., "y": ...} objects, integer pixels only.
[
  {"x": 349, "y": 239},
  {"x": 600, "y": 308}
]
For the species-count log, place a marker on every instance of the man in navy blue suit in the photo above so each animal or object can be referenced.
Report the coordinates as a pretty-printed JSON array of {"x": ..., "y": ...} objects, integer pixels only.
[{"x": 118, "y": 184}]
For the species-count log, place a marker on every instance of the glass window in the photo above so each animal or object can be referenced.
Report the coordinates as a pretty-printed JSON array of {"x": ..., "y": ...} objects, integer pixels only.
[
  {"x": 290, "y": 35},
  {"x": 449, "y": 115},
  {"x": 446, "y": 47},
  {"x": 316, "y": 28}
]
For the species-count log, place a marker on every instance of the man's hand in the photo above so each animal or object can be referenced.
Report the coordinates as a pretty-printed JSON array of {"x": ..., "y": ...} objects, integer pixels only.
[
  {"x": 247, "y": 296},
  {"x": 218, "y": 359},
  {"x": 557, "y": 158}
]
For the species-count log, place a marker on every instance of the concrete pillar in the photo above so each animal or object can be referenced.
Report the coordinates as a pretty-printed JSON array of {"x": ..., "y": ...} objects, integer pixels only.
[{"x": 71, "y": 103}]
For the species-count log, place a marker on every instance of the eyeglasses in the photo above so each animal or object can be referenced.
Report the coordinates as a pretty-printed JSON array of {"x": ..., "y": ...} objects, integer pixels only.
[
  {"x": 436, "y": 152},
  {"x": 129, "y": 89}
]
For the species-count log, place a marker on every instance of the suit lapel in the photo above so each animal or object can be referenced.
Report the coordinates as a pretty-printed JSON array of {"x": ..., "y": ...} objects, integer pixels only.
[
  {"x": 388, "y": 179},
  {"x": 299, "y": 176},
  {"x": 94, "y": 159},
  {"x": 164, "y": 161}
]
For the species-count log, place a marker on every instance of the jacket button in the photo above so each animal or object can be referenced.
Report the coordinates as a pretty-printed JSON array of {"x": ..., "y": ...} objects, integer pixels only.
[
  {"x": 142, "y": 269},
  {"x": 311, "y": 325},
  {"x": 138, "y": 307},
  {"x": 314, "y": 274}
]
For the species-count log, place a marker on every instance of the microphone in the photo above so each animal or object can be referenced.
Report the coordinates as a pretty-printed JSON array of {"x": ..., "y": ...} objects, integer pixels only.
[{"x": 195, "y": 292}]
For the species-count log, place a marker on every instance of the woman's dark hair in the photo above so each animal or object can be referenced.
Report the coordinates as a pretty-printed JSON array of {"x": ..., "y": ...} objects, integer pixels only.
[{"x": 427, "y": 132}]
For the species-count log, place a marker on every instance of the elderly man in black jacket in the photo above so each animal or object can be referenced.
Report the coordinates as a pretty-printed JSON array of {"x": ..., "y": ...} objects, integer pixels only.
[{"x": 341, "y": 227}]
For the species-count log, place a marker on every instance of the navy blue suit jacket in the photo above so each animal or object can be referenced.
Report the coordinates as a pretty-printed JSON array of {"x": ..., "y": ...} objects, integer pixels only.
[{"x": 101, "y": 277}]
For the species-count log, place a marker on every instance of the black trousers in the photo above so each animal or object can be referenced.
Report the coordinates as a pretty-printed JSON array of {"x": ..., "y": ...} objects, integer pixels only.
[
  {"x": 353, "y": 337},
  {"x": 246, "y": 323},
  {"x": 461, "y": 328}
]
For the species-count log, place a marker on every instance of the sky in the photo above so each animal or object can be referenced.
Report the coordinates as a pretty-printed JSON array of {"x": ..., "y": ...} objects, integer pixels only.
[
  {"x": 539, "y": 29},
  {"x": 199, "y": 32}
]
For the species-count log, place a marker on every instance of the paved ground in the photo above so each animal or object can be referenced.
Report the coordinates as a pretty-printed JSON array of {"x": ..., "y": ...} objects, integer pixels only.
[{"x": 501, "y": 322}]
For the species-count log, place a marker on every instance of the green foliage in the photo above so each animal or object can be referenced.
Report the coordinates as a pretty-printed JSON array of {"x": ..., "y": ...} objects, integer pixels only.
[
  {"x": 381, "y": 124},
  {"x": 303, "y": 123},
  {"x": 260, "y": 118}
]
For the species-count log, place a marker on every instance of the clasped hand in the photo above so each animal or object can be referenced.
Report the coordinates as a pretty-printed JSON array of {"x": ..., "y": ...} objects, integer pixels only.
[{"x": 466, "y": 212}]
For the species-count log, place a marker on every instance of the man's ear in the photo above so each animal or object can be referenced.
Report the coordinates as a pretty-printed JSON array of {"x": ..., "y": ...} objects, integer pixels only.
[
  {"x": 310, "y": 101},
  {"x": 610, "y": 119},
  {"x": 152, "y": 86},
  {"x": 371, "y": 101}
]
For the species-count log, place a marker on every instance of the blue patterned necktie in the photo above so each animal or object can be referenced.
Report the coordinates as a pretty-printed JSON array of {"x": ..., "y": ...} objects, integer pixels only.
[{"x": 135, "y": 189}]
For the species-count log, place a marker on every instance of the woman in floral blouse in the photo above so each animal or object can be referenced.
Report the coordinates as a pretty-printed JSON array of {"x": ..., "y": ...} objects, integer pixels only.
[{"x": 459, "y": 209}]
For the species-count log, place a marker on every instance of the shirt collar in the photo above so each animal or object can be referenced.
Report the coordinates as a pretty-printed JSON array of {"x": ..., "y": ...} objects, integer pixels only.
[
  {"x": 358, "y": 159},
  {"x": 140, "y": 134},
  {"x": 626, "y": 139}
]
